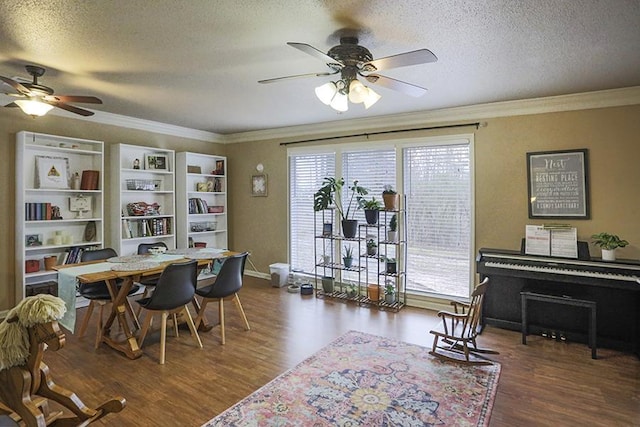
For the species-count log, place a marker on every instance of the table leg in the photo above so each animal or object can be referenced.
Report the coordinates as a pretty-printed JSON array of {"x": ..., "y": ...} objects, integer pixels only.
[{"x": 129, "y": 346}]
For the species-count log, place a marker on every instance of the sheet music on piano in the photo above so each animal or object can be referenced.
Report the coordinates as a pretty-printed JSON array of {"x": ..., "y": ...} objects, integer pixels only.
[{"x": 551, "y": 240}]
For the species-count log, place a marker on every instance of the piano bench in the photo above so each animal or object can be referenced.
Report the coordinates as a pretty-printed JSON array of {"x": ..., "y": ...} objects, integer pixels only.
[{"x": 591, "y": 305}]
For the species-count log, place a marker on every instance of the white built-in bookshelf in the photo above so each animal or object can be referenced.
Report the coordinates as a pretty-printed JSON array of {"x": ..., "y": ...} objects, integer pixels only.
[
  {"x": 142, "y": 197},
  {"x": 58, "y": 213},
  {"x": 201, "y": 194}
]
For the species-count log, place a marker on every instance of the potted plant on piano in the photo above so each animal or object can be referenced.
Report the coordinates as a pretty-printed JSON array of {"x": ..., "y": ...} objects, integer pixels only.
[{"x": 608, "y": 243}]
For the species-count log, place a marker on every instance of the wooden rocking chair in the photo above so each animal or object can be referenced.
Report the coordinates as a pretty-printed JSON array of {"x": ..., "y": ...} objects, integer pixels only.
[{"x": 460, "y": 328}]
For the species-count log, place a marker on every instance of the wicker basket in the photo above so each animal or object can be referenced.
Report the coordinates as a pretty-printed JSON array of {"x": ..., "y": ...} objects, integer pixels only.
[{"x": 143, "y": 184}]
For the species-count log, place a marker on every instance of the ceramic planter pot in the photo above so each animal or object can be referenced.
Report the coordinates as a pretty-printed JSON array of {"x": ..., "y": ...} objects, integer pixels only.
[
  {"x": 348, "y": 262},
  {"x": 392, "y": 236},
  {"x": 372, "y": 216},
  {"x": 372, "y": 250},
  {"x": 392, "y": 267},
  {"x": 390, "y": 298},
  {"x": 608, "y": 254},
  {"x": 390, "y": 201},
  {"x": 349, "y": 228},
  {"x": 327, "y": 284},
  {"x": 373, "y": 292}
]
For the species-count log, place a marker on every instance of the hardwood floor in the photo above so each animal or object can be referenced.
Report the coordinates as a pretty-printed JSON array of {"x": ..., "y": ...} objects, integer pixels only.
[{"x": 545, "y": 383}]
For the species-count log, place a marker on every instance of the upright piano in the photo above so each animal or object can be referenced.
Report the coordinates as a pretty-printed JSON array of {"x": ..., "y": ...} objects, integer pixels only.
[{"x": 614, "y": 286}]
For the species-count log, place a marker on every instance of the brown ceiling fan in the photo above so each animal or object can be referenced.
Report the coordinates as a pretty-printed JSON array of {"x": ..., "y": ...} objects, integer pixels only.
[
  {"x": 35, "y": 94},
  {"x": 352, "y": 60}
]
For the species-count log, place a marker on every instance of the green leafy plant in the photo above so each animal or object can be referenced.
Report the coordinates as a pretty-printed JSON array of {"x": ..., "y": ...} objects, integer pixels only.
[
  {"x": 372, "y": 204},
  {"x": 393, "y": 223},
  {"x": 331, "y": 194},
  {"x": 348, "y": 252},
  {"x": 388, "y": 189},
  {"x": 389, "y": 289},
  {"x": 371, "y": 244},
  {"x": 608, "y": 241}
]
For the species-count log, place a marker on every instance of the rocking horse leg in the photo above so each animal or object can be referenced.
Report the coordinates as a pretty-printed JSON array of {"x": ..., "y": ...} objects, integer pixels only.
[
  {"x": 64, "y": 397},
  {"x": 15, "y": 393}
]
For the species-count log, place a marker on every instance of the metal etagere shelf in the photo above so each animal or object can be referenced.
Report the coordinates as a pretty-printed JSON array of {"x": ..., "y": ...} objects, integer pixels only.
[{"x": 366, "y": 281}]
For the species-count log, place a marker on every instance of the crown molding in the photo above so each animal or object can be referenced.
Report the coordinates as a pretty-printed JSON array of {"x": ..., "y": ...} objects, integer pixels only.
[
  {"x": 551, "y": 104},
  {"x": 144, "y": 125}
]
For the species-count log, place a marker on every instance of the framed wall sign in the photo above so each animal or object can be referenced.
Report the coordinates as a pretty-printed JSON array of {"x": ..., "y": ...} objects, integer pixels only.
[
  {"x": 558, "y": 184},
  {"x": 259, "y": 185}
]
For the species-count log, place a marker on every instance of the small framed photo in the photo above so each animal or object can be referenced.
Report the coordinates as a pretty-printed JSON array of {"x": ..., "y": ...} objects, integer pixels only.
[
  {"x": 259, "y": 185},
  {"x": 219, "y": 168},
  {"x": 33, "y": 240},
  {"x": 156, "y": 162},
  {"x": 52, "y": 172}
]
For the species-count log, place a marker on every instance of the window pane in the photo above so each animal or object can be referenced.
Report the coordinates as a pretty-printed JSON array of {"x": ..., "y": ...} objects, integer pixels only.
[
  {"x": 437, "y": 185},
  {"x": 373, "y": 170},
  {"x": 306, "y": 173}
]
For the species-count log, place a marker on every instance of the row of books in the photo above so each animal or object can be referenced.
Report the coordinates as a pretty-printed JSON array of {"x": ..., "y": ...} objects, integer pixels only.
[
  {"x": 146, "y": 227},
  {"x": 37, "y": 211},
  {"x": 198, "y": 206},
  {"x": 73, "y": 255}
]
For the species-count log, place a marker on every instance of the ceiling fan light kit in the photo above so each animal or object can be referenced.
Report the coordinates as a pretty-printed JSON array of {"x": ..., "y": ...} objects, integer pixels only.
[
  {"x": 352, "y": 60},
  {"x": 33, "y": 107},
  {"x": 37, "y": 100}
]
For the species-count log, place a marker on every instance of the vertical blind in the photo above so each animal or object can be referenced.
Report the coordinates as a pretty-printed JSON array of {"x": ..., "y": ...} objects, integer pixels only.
[{"x": 306, "y": 173}]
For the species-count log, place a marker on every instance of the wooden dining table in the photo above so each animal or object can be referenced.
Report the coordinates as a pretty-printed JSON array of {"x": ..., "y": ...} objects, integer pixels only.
[{"x": 119, "y": 283}]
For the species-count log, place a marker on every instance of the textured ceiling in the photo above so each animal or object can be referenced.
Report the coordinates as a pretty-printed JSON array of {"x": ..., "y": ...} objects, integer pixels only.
[{"x": 196, "y": 63}]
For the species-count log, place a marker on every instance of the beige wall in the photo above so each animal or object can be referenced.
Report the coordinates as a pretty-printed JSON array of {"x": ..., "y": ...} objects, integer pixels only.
[
  {"x": 259, "y": 224},
  {"x": 612, "y": 136}
]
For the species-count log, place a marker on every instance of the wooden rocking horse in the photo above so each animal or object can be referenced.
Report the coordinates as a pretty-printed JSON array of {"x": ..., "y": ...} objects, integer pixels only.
[{"x": 26, "y": 386}]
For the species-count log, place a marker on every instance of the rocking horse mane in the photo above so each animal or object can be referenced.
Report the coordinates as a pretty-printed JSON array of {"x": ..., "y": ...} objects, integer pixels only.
[{"x": 14, "y": 333}]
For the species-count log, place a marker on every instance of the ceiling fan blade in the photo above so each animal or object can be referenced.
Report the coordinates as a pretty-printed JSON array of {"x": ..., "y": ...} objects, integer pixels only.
[
  {"x": 400, "y": 86},
  {"x": 70, "y": 108},
  {"x": 13, "y": 104},
  {"x": 17, "y": 86},
  {"x": 310, "y": 50},
  {"x": 421, "y": 56},
  {"x": 277, "y": 79},
  {"x": 74, "y": 98}
]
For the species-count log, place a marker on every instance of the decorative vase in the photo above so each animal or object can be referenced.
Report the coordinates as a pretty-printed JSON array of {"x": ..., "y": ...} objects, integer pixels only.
[
  {"x": 608, "y": 254},
  {"x": 349, "y": 228},
  {"x": 327, "y": 284},
  {"x": 390, "y": 201},
  {"x": 372, "y": 216}
]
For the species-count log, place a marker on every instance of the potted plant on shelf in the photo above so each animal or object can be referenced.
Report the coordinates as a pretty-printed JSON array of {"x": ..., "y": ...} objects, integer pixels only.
[
  {"x": 391, "y": 266},
  {"x": 327, "y": 284},
  {"x": 330, "y": 194},
  {"x": 390, "y": 198},
  {"x": 372, "y": 247},
  {"x": 351, "y": 290},
  {"x": 371, "y": 210},
  {"x": 389, "y": 292},
  {"x": 348, "y": 256},
  {"x": 392, "y": 233},
  {"x": 608, "y": 243}
]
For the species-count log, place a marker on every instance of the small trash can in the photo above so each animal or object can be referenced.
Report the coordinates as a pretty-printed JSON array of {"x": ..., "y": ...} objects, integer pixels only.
[{"x": 279, "y": 274}]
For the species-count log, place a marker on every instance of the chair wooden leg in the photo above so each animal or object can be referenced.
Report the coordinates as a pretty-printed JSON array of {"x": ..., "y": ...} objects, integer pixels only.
[
  {"x": 163, "y": 335},
  {"x": 85, "y": 321},
  {"x": 244, "y": 317},
  {"x": 175, "y": 324},
  {"x": 221, "y": 316},
  {"x": 192, "y": 326},
  {"x": 148, "y": 320}
]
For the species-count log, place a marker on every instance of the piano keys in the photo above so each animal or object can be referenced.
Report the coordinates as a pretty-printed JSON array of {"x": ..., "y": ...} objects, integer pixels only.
[{"x": 614, "y": 286}]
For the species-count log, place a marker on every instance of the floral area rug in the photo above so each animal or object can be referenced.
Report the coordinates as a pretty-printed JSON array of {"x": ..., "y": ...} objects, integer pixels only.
[{"x": 367, "y": 380}]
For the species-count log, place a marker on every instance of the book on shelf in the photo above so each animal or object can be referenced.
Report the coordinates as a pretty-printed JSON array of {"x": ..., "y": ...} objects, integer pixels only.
[{"x": 90, "y": 180}]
